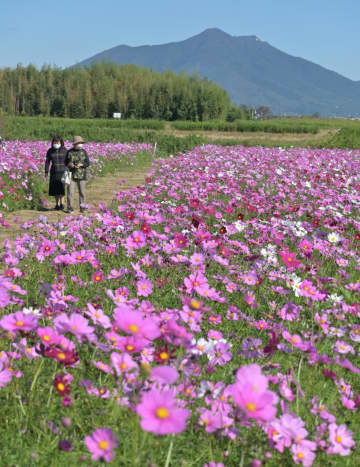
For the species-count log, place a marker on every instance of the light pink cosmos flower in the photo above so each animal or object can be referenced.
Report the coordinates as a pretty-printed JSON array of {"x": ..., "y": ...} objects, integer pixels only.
[
  {"x": 160, "y": 413},
  {"x": 5, "y": 375},
  {"x": 250, "y": 393},
  {"x": 76, "y": 324},
  {"x": 341, "y": 440},
  {"x": 144, "y": 287},
  {"x": 295, "y": 340},
  {"x": 196, "y": 259},
  {"x": 101, "y": 443},
  {"x": 303, "y": 454},
  {"x": 343, "y": 348},
  {"x": 135, "y": 322},
  {"x": 98, "y": 316},
  {"x": 4, "y": 296},
  {"x": 164, "y": 374},
  {"x": 19, "y": 321},
  {"x": 122, "y": 363},
  {"x": 212, "y": 421}
]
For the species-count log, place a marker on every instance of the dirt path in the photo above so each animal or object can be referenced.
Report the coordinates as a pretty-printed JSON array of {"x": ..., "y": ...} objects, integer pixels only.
[{"x": 101, "y": 190}]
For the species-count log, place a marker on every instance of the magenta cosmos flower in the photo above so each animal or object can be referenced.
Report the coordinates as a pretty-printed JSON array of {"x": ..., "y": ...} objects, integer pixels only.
[
  {"x": 160, "y": 414},
  {"x": 101, "y": 443}
]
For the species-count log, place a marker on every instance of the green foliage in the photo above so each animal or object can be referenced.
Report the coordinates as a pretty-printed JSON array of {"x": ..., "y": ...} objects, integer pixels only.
[
  {"x": 346, "y": 138},
  {"x": 97, "y": 92},
  {"x": 272, "y": 126}
]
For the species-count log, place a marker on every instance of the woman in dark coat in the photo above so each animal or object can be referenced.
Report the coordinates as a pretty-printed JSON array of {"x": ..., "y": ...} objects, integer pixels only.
[{"x": 55, "y": 157}]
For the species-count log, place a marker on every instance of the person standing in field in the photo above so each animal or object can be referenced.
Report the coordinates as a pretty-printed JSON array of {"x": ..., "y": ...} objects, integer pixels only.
[
  {"x": 55, "y": 157},
  {"x": 77, "y": 161}
]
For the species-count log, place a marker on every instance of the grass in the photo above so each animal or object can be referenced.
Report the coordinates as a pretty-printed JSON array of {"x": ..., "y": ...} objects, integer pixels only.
[{"x": 173, "y": 137}]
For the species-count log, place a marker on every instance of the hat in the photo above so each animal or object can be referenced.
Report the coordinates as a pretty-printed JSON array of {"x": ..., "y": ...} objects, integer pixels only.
[{"x": 78, "y": 139}]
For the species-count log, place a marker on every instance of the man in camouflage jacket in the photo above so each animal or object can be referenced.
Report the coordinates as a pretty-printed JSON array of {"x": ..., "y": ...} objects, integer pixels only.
[{"x": 77, "y": 161}]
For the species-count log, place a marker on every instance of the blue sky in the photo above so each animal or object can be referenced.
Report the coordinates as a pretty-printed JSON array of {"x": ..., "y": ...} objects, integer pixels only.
[{"x": 63, "y": 33}]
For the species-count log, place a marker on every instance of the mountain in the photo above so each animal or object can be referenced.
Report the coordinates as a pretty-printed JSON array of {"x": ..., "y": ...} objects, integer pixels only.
[{"x": 251, "y": 70}]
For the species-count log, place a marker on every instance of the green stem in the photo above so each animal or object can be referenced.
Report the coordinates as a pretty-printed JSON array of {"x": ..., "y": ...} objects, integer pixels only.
[
  {"x": 36, "y": 375},
  {"x": 168, "y": 457}
]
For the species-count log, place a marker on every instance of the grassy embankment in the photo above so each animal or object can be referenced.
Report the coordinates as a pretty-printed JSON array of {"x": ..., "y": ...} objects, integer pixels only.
[{"x": 173, "y": 137}]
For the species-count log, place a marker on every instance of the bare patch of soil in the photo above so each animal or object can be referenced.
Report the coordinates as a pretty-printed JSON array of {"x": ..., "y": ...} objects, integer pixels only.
[{"x": 100, "y": 190}]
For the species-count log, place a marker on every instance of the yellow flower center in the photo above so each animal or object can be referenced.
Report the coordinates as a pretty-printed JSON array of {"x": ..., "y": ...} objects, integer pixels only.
[
  {"x": 61, "y": 356},
  {"x": 134, "y": 328},
  {"x": 250, "y": 406},
  {"x": 162, "y": 413},
  {"x": 46, "y": 338},
  {"x": 300, "y": 455},
  {"x": 103, "y": 445},
  {"x": 61, "y": 386},
  {"x": 338, "y": 439},
  {"x": 195, "y": 304},
  {"x": 129, "y": 347},
  {"x": 19, "y": 323},
  {"x": 164, "y": 355},
  {"x": 123, "y": 366}
]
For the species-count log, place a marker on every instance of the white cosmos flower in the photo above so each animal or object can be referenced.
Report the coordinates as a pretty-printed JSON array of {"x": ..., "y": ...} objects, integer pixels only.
[
  {"x": 336, "y": 298},
  {"x": 239, "y": 226},
  {"x": 333, "y": 237}
]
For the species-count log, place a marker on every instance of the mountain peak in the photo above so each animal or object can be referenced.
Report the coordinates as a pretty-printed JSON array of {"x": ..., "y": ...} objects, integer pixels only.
[
  {"x": 250, "y": 69},
  {"x": 214, "y": 32}
]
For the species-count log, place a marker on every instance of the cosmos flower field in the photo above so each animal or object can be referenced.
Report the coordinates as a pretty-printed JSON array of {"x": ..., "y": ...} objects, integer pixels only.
[{"x": 209, "y": 317}]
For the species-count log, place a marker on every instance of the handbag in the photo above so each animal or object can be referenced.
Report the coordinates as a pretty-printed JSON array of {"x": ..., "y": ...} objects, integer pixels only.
[{"x": 66, "y": 177}]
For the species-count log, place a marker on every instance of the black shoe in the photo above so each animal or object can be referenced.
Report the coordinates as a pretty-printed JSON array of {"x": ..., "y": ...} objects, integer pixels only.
[
  {"x": 69, "y": 210},
  {"x": 82, "y": 209},
  {"x": 57, "y": 208},
  {"x": 61, "y": 207}
]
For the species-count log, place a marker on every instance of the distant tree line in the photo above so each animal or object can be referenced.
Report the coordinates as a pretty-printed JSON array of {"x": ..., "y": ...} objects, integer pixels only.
[{"x": 100, "y": 90}]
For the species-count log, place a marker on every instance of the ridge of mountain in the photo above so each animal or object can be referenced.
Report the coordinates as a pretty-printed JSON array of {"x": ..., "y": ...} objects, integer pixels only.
[{"x": 251, "y": 70}]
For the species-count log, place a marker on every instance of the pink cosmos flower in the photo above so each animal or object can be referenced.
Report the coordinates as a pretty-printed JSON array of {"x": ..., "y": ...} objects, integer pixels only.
[
  {"x": 98, "y": 316},
  {"x": 341, "y": 440},
  {"x": 4, "y": 296},
  {"x": 250, "y": 393},
  {"x": 343, "y": 348},
  {"x": 289, "y": 259},
  {"x": 136, "y": 240},
  {"x": 48, "y": 336},
  {"x": 75, "y": 324},
  {"x": 249, "y": 278},
  {"x": 164, "y": 374},
  {"x": 122, "y": 363},
  {"x": 212, "y": 421},
  {"x": 101, "y": 443},
  {"x": 5, "y": 375},
  {"x": 144, "y": 287},
  {"x": 286, "y": 429},
  {"x": 135, "y": 322},
  {"x": 295, "y": 340},
  {"x": 250, "y": 299},
  {"x": 195, "y": 281},
  {"x": 196, "y": 259},
  {"x": 19, "y": 321},
  {"x": 220, "y": 354},
  {"x": 303, "y": 454},
  {"x": 98, "y": 276},
  {"x": 160, "y": 413}
]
